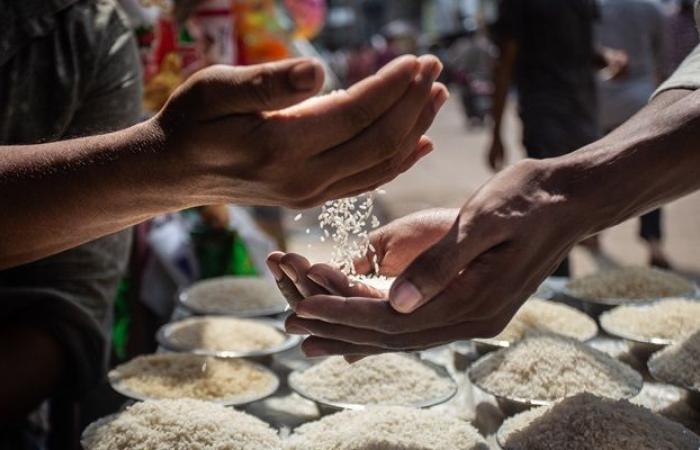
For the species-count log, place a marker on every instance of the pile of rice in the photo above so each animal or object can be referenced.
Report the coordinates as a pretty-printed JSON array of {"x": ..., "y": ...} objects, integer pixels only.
[
  {"x": 630, "y": 283},
  {"x": 347, "y": 222},
  {"x": 183, "y": 375},
  {"x": 542, "y": 315},
  {"x": 679, "y": 364},
  {"x": 183, "y": 424},
  {"x": 549, "y": 367},
  {"x": 224, "y": 334},
  {"x": 670, "y": 319},
  {"x": 234, "y": 295},
  {"x": 588, "y": 422},
  {"x": 387, "y": 379},
  {"x": 387, "y": 428}
]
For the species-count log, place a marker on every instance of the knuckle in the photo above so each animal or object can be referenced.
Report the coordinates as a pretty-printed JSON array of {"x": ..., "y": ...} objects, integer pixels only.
[{"x": 264, "y": 85}]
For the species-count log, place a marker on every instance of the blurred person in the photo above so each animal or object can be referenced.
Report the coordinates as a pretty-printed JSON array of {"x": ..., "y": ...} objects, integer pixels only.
[
  {"x": 639, "y": 28},
  {"x": 67, "y": 69},
  {"x": 547, "y": 46}
]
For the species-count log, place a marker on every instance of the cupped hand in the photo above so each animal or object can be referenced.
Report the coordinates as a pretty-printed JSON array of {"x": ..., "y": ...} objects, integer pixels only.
[
  {"x": 509, "y": 236},
  {"x": 254, "y": 135},
  {"x": 398, "y": 243}
]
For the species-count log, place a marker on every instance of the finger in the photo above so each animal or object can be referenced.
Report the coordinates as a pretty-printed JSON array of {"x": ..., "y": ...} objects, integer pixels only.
[
  {"x": 385, "y": 140},
  {"x": 296, "y": 268},
  {"x": 337, "y": 283},
  {"x": 284, "y": 284},
  {"x": 372, "y": 314},
  {"x": 433, "y": 270},
  {"x": 227, "y": 90},
  {"x": 337, "y": 117},
  {"x": 376, "y": 176}
]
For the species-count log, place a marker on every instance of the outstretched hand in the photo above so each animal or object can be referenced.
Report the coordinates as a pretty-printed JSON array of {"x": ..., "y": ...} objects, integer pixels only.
[
  {"x": 466, "y": 283},
  {"x": 255, "y": 135}
]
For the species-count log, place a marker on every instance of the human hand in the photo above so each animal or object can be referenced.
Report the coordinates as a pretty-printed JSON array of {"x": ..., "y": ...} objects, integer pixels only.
[
  {"x": 398, "y": 243},
  {"x": 616, "y": 63},
  {"x": 508, "y": 237},
  {"x": 496, "y": 154},
  {"x": 253, "y": 135}
]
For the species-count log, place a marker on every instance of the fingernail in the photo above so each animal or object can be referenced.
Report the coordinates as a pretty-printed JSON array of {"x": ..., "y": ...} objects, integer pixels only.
[
  {"x": 318, "y": 279},
  {"x": 295, "y": 329},
  {"x": 439, "y": 99},
  {"x": 406, "y": 297},
  {"x": 290, "y": 272},
  {"x": 275, "y": 270},
  {"x": 303, "y": 76}
]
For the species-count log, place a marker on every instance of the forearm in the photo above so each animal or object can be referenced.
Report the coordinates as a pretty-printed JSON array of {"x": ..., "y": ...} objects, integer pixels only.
[
  {"x": 652, "y": 159},
  {"x": 59, "y": 195}
]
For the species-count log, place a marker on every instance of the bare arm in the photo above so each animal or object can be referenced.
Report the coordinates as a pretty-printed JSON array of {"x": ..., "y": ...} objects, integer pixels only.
[{"x": 244, "y": 135}]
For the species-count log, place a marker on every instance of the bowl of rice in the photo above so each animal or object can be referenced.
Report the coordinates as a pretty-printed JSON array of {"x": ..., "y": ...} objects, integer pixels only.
[
  {"x": 600, "y": 291},
  {"x": 233, "y": 296},
  {"x": 679, "y": 365},
  {"x": 652, "y": 326},
  {"x": 586, "y": 421},
  {"x": 395, "y": 379},
  {"x": 231, "y": 382},
  {"x": 387, "y": 427},
  {"x": 226, "y": 337},
  {"x": 543, "y": 368},
  {"x": 178, "y": 424},
  {"x": 543, "y": 316}
]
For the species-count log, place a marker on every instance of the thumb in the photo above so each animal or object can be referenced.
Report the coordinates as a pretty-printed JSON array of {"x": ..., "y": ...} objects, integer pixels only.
[
  {"x": 434, "y": 270},
  {"x": 225, "y": 90}
]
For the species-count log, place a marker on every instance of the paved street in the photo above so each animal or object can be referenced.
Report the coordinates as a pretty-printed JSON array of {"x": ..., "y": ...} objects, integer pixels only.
[{"x": 457, "y": 168}]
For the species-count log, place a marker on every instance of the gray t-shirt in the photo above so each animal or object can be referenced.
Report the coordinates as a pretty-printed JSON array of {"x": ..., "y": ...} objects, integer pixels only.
[{"x": 68, "y": 68}]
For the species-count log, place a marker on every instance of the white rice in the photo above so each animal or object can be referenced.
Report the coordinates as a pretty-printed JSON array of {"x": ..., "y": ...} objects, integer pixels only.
[
  {"x": 587, "y": 422},
  {"x": 387, "y": 379},
  {"x": 547, "y": 316},
  {"x": 387, "y": 428},
  {"x": 630, "y": 283},
  {"x": 224, "y": 334},
  {"x": 549, "y": 367},
  {"x": 679, "y": 363},
  {"x": 183, "y": 375},
  {"x": 234, "y": 295},
  {"x": 671, "y": 319},
  {"x": 347, "y": 222},
  {"x": 183, "y": 424}
]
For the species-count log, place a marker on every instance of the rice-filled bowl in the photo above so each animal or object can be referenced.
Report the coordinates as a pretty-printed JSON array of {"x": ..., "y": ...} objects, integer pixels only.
[
  {"x": 387, "y": 428},
  {"x": 183, "y": 424},
  {"x": 537, "y": 315},
  {"x": 543, "y": 368},
  {"x": 225, "y": 336},
  {"x": 234, "y": 296},
  {"x": 374, "y": 381},
  {"x": 184, "y": 375},
  {"x": 589, "y": 422},
  {"x": 662, "y": 322},
  {"x": 629, "y": 284}
]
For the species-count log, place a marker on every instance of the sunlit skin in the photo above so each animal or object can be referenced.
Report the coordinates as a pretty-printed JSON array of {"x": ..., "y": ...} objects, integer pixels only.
[{"x": 246, "y": 135}]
